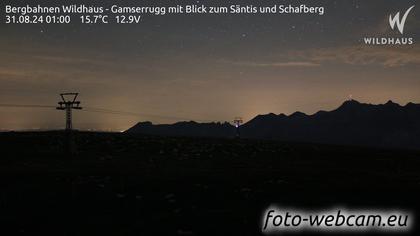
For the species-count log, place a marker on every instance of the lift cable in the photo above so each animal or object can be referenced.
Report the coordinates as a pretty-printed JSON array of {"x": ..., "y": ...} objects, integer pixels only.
[
  {"x": 26, "y": 105},
  {"x": 103, "y": 111}
]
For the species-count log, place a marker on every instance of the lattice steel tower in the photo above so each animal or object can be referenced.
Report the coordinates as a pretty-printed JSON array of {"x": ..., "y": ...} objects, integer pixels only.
[{"x": 68, "y": 103}]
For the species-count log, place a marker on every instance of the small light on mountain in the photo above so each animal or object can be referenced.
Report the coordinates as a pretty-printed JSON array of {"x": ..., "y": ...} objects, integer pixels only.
[{"x": 237, "y": 121}]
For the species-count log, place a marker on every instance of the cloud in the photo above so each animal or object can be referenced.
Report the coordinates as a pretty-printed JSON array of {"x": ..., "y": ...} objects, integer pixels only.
[
  {"x": 72, "y": 60},
  {"x": 360, "y": 55},
  {"x": 276, "y": 64},
  {"x": 11, "y": 72}
]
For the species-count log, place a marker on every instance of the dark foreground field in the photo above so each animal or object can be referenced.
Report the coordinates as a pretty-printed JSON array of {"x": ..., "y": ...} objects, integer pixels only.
[{"x": 120, "y": 184}]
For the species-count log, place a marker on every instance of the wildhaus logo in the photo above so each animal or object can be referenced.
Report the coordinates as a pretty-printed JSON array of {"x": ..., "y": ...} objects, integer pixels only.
[{"x": 395, "y": 21}]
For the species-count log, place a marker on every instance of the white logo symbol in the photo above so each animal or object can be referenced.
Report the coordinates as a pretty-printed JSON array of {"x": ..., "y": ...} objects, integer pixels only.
[{"x": 396, "y": 20}]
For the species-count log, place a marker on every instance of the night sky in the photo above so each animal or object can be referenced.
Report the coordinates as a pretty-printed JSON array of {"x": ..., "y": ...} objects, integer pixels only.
[{"x": 207, "y": 67}]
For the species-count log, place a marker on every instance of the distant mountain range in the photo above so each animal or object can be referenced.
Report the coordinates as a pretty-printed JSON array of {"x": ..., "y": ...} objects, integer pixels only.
[{"x": 353, "y": 123}]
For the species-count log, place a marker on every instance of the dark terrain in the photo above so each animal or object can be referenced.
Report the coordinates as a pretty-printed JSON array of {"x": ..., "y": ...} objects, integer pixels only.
[{"x": 130, "y": 184}]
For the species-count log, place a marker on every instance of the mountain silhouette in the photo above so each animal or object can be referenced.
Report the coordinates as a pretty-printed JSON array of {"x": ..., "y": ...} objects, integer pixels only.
[{"x": 353, "y": 123}]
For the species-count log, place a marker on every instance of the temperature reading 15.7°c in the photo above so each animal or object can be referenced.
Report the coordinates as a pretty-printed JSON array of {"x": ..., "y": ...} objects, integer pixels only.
[{"x": 94, "y": 19}]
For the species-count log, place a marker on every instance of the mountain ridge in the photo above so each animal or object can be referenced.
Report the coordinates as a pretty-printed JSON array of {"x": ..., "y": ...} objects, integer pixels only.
[{"x": 352, "y": 123}]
